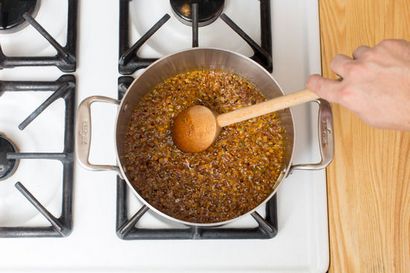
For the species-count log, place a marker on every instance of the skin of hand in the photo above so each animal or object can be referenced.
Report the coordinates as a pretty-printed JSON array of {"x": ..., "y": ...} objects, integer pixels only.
[{"x": 375, "y": 84}]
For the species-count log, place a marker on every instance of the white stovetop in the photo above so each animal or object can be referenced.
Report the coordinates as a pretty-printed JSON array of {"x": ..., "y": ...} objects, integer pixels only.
[{"x": 302, "y": 242}]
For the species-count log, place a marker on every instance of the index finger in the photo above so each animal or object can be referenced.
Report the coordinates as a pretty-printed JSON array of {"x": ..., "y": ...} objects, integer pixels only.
[{"x": 325, "y": 88}]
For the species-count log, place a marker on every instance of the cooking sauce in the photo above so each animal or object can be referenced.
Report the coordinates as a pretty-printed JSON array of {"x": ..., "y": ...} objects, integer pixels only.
[{"x": 236, "y": 174}]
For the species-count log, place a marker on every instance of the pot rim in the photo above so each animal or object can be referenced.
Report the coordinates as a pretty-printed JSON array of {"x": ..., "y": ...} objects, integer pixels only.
[{"x": 279, "y": 180}]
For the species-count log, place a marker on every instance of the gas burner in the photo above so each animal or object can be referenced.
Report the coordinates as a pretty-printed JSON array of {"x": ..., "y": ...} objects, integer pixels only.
[
  {"x": 139, "y": 47},
  {"x": 53, "y": 20},
  {"x": 29, "y": 112},
  {"x": 12, "y": 11},
  {"x": 7, "y": 166},
  {"x": 208, "y": 10}
]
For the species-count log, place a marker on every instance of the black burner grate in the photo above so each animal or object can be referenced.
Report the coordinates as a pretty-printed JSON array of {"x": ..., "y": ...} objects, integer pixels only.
[
  {"x": 129, "y": 61},
  {"x": 63, "y": 88},
  {"x": 65, "y": 59},
  {"x": 126, "y": 229}
]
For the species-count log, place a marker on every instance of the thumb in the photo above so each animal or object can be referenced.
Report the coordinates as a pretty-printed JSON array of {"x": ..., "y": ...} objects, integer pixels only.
[{"x": 324, "y": 88}]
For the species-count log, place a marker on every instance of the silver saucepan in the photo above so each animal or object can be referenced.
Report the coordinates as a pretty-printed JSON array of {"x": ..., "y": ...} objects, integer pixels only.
[{"x": 199, "y": 58}]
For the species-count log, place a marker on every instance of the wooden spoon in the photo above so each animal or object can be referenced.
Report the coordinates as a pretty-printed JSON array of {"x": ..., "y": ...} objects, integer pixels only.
[{"x": 196, "y": 128}]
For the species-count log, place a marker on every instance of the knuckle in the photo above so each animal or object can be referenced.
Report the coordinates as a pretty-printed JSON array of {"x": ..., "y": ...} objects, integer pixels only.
[
  {"x": 386, "y": 43},
  {"x": 349, "y": 69},
  {"x": 360, "y": 52},
  {"x": 367, "y": 55},
  {"x": 338, "y": 59},
  {"x": 333, "y": 64},
  {"x": 392, "y": 43},
  {"x": 358, "y": 69},
  {"x": 339, "y": 64}
]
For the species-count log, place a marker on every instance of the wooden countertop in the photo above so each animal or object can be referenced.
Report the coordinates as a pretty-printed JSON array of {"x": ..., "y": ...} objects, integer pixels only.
[{"x": 369, "y": 179}]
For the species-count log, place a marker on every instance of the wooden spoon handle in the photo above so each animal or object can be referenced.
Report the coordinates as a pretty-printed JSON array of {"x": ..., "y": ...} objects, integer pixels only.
[{"x": 266, "y": 107}]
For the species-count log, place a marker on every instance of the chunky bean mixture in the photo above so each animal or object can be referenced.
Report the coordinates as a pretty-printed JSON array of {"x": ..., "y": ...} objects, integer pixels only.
[{"x": 232, "y": 177}]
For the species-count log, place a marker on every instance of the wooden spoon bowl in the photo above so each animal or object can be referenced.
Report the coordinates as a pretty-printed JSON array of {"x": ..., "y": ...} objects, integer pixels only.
[{"x": 195, "y": 129}]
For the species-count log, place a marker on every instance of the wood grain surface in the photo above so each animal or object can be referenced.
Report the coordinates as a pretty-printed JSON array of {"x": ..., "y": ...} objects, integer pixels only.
[{"x": 369, "y": 180}]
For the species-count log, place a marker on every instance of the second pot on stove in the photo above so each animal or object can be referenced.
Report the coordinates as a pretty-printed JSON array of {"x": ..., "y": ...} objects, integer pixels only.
[{"x": 199, "y": 58}]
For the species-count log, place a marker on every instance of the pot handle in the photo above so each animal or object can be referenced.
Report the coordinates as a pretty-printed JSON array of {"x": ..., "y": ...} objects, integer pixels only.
[
  {"x": 83, "y": 133},
  {"x": 326, "y": 143}
]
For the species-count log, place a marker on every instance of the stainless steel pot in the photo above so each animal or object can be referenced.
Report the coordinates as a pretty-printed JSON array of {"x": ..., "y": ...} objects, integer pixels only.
[{"x": 199, "y": 58}]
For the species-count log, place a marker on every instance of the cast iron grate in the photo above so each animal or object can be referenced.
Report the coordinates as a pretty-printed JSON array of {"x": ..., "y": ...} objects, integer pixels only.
[
  {"x": 65, "y": 59},
  {"x": 63, "y": 88},
  {"x": 126, "y": 228},
  {"x": 129, "y": 61}
]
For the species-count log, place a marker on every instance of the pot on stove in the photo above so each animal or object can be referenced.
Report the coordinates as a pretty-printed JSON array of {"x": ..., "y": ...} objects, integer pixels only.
[{"x": 200, "y": 58}]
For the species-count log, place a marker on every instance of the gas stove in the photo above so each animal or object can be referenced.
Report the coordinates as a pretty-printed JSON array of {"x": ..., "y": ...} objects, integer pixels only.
[{"x": 101, "y": 224}]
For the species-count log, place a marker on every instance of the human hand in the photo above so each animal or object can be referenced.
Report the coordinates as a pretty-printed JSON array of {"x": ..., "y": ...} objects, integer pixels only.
[{"x": 375, "y": 84}]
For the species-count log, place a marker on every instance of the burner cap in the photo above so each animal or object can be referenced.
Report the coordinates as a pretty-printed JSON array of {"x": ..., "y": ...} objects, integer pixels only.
[
  {"x": 7, "y": 166},
  {"x": 208, "y": 10},
  {"x": 11, "y": 12}
]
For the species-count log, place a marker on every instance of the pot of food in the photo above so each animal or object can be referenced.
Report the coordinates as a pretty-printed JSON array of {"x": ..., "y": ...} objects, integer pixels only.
[{"x": 239, "y": 172}]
